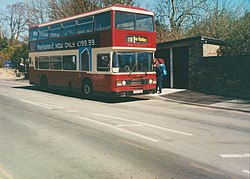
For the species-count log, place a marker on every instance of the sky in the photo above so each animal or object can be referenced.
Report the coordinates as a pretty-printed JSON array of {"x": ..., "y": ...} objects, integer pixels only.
[{"x": 4, "y": 3}]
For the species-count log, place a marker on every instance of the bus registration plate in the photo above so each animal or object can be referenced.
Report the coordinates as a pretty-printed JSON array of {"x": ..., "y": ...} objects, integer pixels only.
[{"x": 137, "y": 91}]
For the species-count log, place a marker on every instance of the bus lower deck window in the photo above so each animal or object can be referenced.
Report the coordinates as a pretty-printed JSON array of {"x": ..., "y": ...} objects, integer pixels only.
[{"x": 69, "y": 62}]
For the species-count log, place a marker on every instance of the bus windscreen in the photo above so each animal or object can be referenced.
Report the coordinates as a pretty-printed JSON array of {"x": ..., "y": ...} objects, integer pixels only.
[{"x": 132, "y": 62}]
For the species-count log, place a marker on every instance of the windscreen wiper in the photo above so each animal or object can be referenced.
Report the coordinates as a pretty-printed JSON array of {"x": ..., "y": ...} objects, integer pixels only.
[{"x": 132, "y": 69}]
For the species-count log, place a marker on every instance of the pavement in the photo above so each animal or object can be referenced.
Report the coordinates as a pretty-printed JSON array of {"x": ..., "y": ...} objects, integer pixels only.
[
  {"x": 183, "y": 96},
  {"x": 7, "y": 74},
  {"x": 190, "y": 97}
]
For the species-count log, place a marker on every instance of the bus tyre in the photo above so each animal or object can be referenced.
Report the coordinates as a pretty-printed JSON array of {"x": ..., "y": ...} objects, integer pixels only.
[
  {"x": 44, "y": 83},
  {"x": 87, "y": 89}
]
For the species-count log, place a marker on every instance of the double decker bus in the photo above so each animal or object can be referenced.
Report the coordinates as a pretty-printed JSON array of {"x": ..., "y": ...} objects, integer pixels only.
[{"x": 104, "y": 52}]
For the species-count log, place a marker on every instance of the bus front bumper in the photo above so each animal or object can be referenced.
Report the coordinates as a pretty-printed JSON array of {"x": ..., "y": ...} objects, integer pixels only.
[{"x": 131, "y": 93}]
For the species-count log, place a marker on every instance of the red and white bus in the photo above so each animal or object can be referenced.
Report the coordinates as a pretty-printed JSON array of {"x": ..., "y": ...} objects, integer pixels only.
[{"x": 104, "y": 52}]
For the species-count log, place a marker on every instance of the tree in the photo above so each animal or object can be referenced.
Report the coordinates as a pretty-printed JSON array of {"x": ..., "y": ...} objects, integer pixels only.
[
  {"x": 16, "y": 18},
  {"x": 64, "y": 8},
  {"x": 3, "y": 43},
  {"x": 178, "y": 15},
  {"x": 3, "y": 31},
  {"x": 6, "y": 54},
  {"x": 37, "y": 10},
  {"x": 225, "y": 22},
  {"x": 162, "y": 31},
  {"x": 20, "y": 51},
  {"x": 105, "y": 3},
  {"x": 238, "y": 40}
]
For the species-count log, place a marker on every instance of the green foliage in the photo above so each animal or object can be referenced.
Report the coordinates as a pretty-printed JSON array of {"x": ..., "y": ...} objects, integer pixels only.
[
  {"x": 21, "y": 51},
  {"x": 223, "y": 21},
  {"x": 3, "y": 43},
  {"x": 238, "y": 40},
  {"x": 6, "y": 54},
  {"x": 14, "y": 53},
  {"x": 234, "y": 31}
]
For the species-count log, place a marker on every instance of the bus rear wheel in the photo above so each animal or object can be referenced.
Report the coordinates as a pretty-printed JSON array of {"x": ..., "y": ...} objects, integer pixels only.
[
  {"x": 44, "y": 83},
  {"x": 87, "y": 89}
]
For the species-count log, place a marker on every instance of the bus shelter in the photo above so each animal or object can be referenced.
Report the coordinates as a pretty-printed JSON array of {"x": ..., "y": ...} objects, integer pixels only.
[{"x": 180, "y": 56}]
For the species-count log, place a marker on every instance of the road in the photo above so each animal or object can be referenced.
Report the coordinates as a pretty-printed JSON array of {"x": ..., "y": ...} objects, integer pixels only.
[{"x": 58, "y": 135}]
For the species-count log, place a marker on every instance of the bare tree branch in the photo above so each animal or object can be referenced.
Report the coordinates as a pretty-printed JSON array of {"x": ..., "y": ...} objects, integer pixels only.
[
  {"x": 177, "y": 14},
  {"x": 16, "y": 18}
]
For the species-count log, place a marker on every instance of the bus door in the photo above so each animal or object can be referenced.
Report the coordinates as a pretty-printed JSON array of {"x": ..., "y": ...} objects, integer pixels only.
[{"x": 85, "y": 59}]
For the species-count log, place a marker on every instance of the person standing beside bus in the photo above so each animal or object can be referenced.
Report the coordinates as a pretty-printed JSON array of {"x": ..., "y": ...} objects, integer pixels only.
[
  {"x": 22, "y": 69},
  {"x": 163, "y": 66},
  {"x": 159, "y": 76}
]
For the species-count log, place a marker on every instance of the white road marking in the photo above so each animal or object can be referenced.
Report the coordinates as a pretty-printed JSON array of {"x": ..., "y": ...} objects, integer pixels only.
[
  {"x": 47, "y": 106},
  {"x": 119, "y": 129},
  {"x": 235, "y": 155},
  {"x": 5, "y": 173},
  {"x": 72, "y": 111},
  {"x": 246, "y": 171},
  {"x": 129, "y": 125},
  {"x": 4, "y": 94},
  {"x": 145, "y": 124}
]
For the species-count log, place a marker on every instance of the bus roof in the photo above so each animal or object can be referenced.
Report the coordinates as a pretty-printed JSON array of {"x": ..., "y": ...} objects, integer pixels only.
[{"x": 116, "y": 7}]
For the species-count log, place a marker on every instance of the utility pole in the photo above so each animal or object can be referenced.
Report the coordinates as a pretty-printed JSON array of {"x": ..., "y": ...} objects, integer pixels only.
[
  {"x": 28, "y": 12},
  {"x": 1, "y": 33},
  {"x": 171, "y": 68}
]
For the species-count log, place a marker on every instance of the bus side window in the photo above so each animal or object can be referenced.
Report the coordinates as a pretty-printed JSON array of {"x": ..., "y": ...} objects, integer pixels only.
[
  {"x": 69, "y": 28},
  {"x": 55, "y": 63},
  {"x": 43, "y": 33},
  {"x": 43, "y": 62},
  {"x": 103, "y": 62},
  {"x": 55, "y": 31},
  {"x": 85, "y": 25},
  {"x": 124, "y": 20},
  {"x": 103, "y": 21},
  {"x": 33, "y": 35},
  {"x": 69, "y": 62}
]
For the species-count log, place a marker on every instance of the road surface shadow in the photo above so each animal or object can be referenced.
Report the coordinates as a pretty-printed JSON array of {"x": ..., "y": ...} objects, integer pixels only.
[
  {"x": 78, "y": 96},
  {"x": 197, "y": 97}
]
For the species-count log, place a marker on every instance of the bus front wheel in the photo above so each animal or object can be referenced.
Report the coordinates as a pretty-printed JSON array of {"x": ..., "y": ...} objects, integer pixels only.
[{"x": 87, "y": 89}]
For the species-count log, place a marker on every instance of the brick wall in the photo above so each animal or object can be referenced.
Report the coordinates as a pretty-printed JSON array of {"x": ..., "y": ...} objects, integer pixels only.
[{"x": 222, "y": 75}]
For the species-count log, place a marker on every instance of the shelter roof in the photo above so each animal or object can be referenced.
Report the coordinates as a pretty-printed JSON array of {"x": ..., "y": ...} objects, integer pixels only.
[{"x": 190, "y": 41}]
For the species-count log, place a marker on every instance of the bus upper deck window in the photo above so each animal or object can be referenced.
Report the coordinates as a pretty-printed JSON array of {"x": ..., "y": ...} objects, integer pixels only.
[
  {"x": 144, "y": 23},
  {"x": 125, "y": 20},
  {"x": 69, "y": 28},
  {"x": 85, "y": 25},
  {"x": 55, "y": 31},
  {"x": 43, "y": 33},
  {"x": 33, "y": 35},
  {"x": 132, "y": 21},
  {"x": 103, "y": 21}
]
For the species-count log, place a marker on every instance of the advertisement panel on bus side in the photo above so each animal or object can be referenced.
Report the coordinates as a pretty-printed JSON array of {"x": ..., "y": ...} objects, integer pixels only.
[{"x": 67, "y": 43}]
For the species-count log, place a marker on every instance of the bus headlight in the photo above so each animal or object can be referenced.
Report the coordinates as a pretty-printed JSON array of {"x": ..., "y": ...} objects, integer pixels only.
[
  {"x": 121, "y": 83},
  {"x": 150, "y": 81},
  {"x": 124, "y": 82}
]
